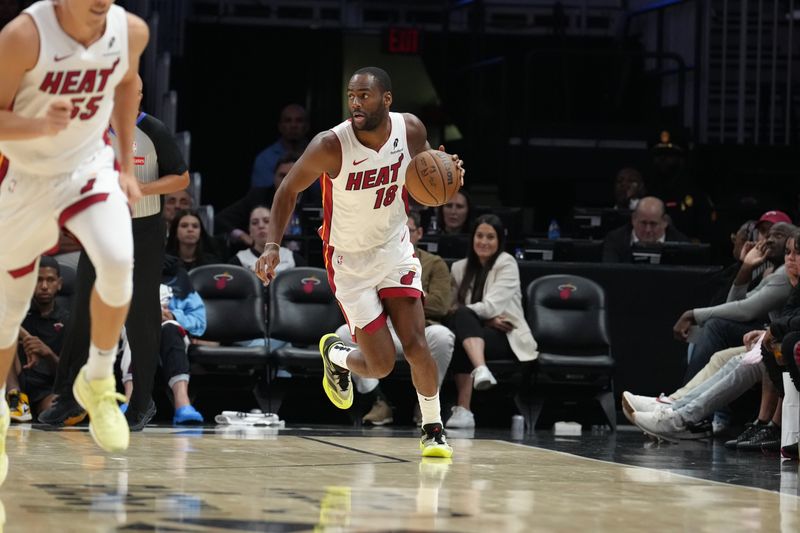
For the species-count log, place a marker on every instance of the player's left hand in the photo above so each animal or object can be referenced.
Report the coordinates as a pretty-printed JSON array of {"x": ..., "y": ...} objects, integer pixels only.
[
  {"x": 459, "y": 163},
  {"x": 130, "y": 186},
  {"x": 267, "y": 263}
]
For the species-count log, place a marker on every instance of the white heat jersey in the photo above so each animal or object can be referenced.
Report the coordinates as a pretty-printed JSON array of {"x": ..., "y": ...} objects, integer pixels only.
[
  {"x": 366, "y": 205},
  {"x": 68, "y": 70}
]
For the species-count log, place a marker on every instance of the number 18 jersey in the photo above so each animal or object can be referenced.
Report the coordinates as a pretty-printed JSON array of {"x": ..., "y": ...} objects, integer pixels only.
[{"x": 366, "y": 205}]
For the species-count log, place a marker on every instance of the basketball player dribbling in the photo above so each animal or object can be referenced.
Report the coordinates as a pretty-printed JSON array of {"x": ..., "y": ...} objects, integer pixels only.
[
  {"x": 69, "y": 68},
  {"x": 370, "y": 260}
]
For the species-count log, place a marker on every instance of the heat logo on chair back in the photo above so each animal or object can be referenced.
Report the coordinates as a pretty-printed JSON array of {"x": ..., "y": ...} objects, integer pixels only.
[
  {"x": 222, "y": 280},
  {"x": 308, "y": 284},
  {"x": 566, "y": 290}
]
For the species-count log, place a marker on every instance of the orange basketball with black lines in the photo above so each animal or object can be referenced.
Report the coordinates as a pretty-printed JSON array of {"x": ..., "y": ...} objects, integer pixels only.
[{"x": 432, "y": 178}]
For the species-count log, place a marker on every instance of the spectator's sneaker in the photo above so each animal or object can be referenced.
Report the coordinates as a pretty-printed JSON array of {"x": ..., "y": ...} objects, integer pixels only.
[
  {"x": 433, "y": 442},
  {"x": 460, "y": 419},
  {"x": 379, "y": 415},
  {"x": 790, "y": 452},
  {"x": 107, "y": 424},
  {"x": 482, "y": 378},
  {"x": 187, "y": 415},
  {"x": 668, "y": 425},
  {"x": 336, "y": 380},
  {"x": 766, "y": 435},
  {"x": 19, "y": 407},
  {"x": 64, "y": 411},
  {"x": 632, "y": 403},
  {"x": 137, "y": 421},
  {"x": 750, "y": 429},
  {"x": 5, "y": 421}
]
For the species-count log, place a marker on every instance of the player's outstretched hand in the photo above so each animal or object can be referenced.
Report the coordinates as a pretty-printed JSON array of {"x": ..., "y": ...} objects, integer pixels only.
[
  {"x": 57, "y": 117},
  {"x": 459, "y": 163},
  {"x": 130, "y": 186},
  {"x": 268, "y": 262}
]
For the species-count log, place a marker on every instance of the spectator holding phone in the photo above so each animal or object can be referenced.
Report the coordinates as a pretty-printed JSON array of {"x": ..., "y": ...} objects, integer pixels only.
[{"x": 486, "y": 316}]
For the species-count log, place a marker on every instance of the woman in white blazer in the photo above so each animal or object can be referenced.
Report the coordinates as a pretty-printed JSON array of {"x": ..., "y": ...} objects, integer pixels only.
[{"x": 486, "y": 316}]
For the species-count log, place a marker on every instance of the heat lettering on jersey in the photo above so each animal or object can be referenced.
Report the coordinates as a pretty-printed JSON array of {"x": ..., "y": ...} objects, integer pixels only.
[
  {"x": 374, "y": 177},
  {"x": 67, "y": 81},
  {"x": 86, "y": 82}
]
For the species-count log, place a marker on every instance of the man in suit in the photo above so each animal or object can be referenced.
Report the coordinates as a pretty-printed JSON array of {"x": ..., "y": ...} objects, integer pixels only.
[{"x": 649, "y": 224}]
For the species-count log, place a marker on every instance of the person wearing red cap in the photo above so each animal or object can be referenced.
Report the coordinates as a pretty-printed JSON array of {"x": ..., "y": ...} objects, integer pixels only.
[{"x": 769, "y": 218}]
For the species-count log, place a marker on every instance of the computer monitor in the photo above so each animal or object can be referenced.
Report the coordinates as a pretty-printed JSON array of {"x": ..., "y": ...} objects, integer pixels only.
[
  {"x": 596, "y": 222},
  {"x": 453, "y": 246},
  {"x": 516, "y": 221},
  {"x": 579, "y": 251},
  {"x": 671, "y": 253}
]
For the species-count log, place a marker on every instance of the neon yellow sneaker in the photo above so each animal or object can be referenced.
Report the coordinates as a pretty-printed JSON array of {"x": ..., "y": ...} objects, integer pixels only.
[
  {"x": 336, "y": 380},
  {"x": 5, "y": 421},
  {"x": 107, "y": 424},
  {"x": 434, "y": 442}
]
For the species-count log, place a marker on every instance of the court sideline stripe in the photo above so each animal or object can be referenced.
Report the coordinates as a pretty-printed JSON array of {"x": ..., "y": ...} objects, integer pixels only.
[
  {"x": 694, "y": 478},
  {"x": 396, "y": 459}
]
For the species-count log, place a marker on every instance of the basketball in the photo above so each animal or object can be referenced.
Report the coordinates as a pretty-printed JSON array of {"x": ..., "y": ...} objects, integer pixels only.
[{"x": 432, "y": 178}]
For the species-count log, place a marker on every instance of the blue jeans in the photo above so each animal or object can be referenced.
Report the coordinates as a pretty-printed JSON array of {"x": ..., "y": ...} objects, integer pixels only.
[{"x": 717, "y": 334}]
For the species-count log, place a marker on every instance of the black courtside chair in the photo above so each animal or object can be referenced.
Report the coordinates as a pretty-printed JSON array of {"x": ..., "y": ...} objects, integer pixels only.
[
  {"x": 302, "y": 308},
  {"x": 233, "y": 297},
  {"x": 568, "y": 318}
]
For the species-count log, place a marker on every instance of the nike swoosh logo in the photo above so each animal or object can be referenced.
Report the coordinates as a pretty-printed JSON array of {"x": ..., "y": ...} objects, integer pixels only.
[
  {"x": 359, "y": 162},
  {"x": 62, "y": 58}
]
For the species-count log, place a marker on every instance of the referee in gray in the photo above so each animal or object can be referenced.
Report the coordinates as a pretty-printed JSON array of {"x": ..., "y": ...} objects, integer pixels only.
[{"x": 160, "y": 169}]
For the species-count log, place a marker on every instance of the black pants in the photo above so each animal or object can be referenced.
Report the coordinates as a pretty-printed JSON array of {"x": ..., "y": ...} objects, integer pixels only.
[
  {"x": 144, "y": 318},
  {"x": 466, "y": 324},
  {"x": 788, "y": 346},
  {"x": 174, "y": 360}
]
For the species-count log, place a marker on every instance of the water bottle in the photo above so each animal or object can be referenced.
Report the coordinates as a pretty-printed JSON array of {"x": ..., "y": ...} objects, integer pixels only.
[
  {"x": 519, "y": 253},
  {"x": 517, "y": 427},
  {"x": 294, "y": 226},
  {"x": 433, "y": 225},
  {"x": 553, "y": 230}
]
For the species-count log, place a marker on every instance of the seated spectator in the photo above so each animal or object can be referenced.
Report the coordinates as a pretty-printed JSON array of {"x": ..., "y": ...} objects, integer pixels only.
[
  {"x": 293, "y": 129},
  {"x": 724, "y": 324},
  {"x": 436, "y": 285},
  {"x": 30, "y": 382},
  {"x": 649, "y": 224},
  {"x": 175, "y": 202},
  {"x": 189, "y": 241},
  {"x": 628, "y": 189},
  {"x": 183, "y": 314},
  {"x": 232, "y": 222},
  {"x": 454, "y": 216},
  {"x": 682, "y": 417},
  {"x": 486, "y": 316},
  {"x": 742, "y": 240},
  {"x": 259, "y": 221}
]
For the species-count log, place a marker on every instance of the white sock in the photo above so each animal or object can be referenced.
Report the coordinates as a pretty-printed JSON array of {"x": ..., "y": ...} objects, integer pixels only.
[
  {"x": 430, "y": 409},
  {"x": 4, "y": 403},
  {"x": 338, "y": 355},
  {"x": 100, "y": 364}
]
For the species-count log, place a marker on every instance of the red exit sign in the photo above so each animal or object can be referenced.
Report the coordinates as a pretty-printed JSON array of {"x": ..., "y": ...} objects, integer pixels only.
[{"x": 402, "y": 40}]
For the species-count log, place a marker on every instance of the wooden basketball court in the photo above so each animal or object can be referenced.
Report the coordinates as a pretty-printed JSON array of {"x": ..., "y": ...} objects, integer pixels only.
[{"x": 343, "y": 479}]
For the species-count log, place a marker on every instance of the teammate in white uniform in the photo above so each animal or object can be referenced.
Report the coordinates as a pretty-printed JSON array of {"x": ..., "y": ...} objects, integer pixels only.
[
  {"x": 370, "y": 260},
  {"x": 68, "y": 70}
]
